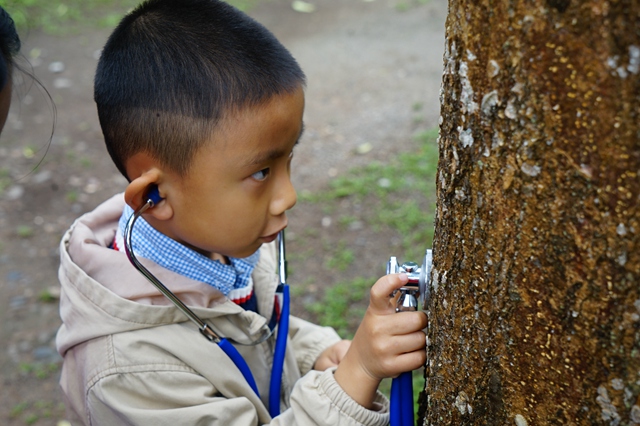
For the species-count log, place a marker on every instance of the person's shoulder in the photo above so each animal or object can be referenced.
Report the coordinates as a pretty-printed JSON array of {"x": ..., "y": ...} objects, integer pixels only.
[{"x": 110, "y": 208}]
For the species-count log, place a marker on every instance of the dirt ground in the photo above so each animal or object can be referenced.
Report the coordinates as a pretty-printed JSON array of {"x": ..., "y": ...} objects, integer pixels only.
[{"x": 374, "y": 70}]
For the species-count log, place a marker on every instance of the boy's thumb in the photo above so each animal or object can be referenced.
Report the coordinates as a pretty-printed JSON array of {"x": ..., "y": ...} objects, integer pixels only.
[{"x": 382, "y": 291}]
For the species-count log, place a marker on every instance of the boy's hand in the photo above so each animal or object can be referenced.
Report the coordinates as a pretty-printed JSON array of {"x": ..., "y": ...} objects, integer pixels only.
[
  {"x": 386, "y": 343},
  {"x": 332, "y": 356}
]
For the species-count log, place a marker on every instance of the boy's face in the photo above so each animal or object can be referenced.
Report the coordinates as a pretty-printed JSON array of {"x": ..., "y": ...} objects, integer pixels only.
[{"x": 238, "y": 188}]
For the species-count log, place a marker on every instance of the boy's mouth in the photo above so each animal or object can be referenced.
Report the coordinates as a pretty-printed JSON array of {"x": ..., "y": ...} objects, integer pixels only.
[{"x": 272, "y": 237}]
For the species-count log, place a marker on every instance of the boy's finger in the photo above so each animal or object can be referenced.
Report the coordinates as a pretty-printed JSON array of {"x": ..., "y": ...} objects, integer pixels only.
[
  {"x": 383, "y": 288},
  {"x": 412, "y": 342},
  {"x": 411, "y": 361},
  {"x": 403, "y": 323}
]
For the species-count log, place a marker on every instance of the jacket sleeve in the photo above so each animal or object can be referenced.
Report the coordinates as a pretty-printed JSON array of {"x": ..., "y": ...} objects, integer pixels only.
[
  {"x": 170, "y": 397},
  {"x": 317, "y": 399},
  {"x": 308, "y": 341}
]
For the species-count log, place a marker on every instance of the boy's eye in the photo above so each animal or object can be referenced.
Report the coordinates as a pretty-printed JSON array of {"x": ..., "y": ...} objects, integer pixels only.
[{"x": 261, "y": 175}]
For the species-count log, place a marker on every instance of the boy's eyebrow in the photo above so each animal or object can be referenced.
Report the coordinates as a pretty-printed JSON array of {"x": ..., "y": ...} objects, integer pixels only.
[{"x": 273, "y": 154}]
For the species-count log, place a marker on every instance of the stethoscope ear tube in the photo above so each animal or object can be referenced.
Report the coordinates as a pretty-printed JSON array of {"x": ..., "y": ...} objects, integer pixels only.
[
  {"x": 275, "y": 387},
  {"x": 128, "y": 248}
]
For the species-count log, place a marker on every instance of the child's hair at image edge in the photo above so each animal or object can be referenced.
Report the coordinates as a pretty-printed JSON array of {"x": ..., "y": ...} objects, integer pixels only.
[
  {"x": 9, "y": 46},
  {"x": 10, "y": 63},
  {"x": 172, "y": 69}
]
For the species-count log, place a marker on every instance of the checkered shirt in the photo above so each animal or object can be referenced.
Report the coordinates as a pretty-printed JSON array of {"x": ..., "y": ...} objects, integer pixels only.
[{"x": 233, "y": 280}]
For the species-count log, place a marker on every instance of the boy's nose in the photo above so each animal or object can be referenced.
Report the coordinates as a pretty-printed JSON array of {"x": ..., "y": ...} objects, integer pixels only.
[{"x": 285, "y": 197}]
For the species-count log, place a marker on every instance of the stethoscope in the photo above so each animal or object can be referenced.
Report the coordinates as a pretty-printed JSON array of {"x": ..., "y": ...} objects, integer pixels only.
[
  {"x": 415, "y": 293},
  {"x": 417, "y": 289},
  {"x": 275, "y": 385}
]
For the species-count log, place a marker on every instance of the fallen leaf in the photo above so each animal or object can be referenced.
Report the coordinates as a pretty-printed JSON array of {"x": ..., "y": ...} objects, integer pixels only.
[{"x": 303, "y": 6}]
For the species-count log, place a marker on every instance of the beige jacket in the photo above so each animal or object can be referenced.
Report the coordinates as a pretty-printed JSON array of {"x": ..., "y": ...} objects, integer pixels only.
[{"x": 130, "y": 357}]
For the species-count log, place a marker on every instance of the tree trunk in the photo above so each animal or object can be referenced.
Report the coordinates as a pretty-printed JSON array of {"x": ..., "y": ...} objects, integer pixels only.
[{"x": 535, "y": 307}]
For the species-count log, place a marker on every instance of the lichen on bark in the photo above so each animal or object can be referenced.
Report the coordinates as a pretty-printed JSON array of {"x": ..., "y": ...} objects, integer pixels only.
[{"x": 535, "y": 314}]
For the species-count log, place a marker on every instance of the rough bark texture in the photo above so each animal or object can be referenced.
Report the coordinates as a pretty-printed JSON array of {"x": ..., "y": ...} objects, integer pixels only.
[{"x": 535, "y": 314}]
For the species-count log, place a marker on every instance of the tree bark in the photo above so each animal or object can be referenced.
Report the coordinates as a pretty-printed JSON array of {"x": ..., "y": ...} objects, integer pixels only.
[{"x": 535, "y": 307}]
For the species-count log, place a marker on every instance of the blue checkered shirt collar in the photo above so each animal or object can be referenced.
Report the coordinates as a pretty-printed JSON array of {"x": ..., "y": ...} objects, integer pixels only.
[{"x": 147, "y": 242}]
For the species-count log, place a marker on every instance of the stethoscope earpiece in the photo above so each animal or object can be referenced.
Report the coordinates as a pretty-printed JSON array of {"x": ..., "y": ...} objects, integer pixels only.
[{"x": 153, "y": 196}]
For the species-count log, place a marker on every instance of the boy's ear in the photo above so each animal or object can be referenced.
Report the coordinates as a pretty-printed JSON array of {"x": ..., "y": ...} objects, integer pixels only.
[{"x": 137, "y": 193}]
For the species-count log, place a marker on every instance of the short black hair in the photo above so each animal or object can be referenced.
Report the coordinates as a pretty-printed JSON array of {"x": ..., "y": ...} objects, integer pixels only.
[
  {"x": 171, "y": 70},
  {"x": 9, "y": 46}
]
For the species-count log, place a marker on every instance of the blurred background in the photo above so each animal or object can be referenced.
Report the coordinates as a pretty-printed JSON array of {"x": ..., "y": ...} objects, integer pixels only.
[{"x": 364, "y": 170}]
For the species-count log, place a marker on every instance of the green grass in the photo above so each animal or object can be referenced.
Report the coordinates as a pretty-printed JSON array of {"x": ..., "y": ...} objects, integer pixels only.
[
  {"x": 45, "y": 296},
  {"x": 18, "y": 409},
  {"x": 24, "y": 231},
  {"x": 5, "y": 179},
  {"x": 406, "y": 5},
  {"x": 339, "y": 307},
  {"x": 63, "y": 17},
  {"x": 72, "y": 195},
  {"x": 341, "y": 257},
  {"x": 31, "y": 412},
  {"x": 399, "y": 196},
  {"x": 39, "y": 370}
]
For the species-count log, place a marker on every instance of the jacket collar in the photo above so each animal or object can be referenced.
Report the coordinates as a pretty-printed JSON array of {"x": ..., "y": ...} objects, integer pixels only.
[{"x": 103, "y": 294}]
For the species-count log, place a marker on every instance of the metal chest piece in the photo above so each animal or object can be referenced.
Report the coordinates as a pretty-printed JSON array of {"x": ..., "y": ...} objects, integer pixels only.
[{"x": 415, "y": 294}]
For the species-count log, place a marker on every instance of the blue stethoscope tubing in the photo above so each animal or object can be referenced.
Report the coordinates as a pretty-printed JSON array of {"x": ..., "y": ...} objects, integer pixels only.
[
  {"x": 401, "y": 408},
  {"x": 239, "y": 361},
  {"x": 275, "y": 385}
]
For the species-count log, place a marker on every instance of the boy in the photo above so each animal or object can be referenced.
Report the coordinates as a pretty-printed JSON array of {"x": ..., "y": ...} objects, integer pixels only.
[{"x": 202, "y": 102}]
